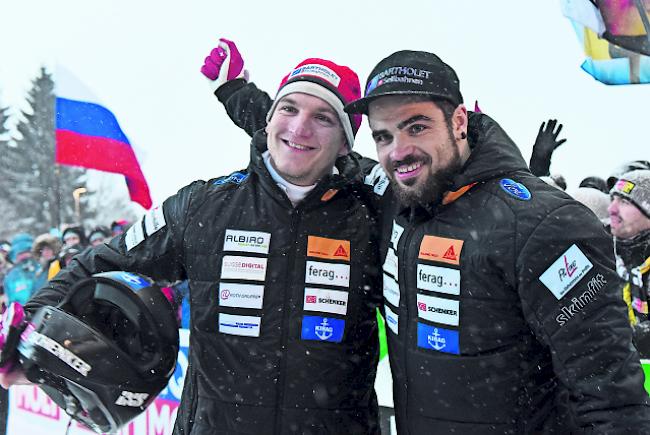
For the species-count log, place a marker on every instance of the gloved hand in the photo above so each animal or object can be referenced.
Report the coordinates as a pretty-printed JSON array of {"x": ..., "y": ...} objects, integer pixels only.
[
  {"x": 11, "y": 326},
  {"x": 545, "y": 143},
  {"x": 223, "y": 64}
]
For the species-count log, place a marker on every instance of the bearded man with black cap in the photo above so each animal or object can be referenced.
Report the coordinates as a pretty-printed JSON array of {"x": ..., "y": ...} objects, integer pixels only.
[
  {"x": 629, "y": 213},
  {"x": 501, "y": 295},
  {"x": 283, "y": 300}
]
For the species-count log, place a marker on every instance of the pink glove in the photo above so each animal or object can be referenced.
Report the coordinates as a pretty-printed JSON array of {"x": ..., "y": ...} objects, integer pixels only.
[
  {"x": 223, "y": 64},
  {"x": 11, "y": 326}
]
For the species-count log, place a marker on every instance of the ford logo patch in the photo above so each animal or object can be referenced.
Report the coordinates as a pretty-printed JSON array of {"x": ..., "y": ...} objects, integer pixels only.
[{"x": 515, "y": 189}]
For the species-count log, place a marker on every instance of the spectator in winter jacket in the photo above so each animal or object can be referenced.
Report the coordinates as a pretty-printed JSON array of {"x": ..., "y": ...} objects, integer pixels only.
[
  {"x": 26, "y": 275},
  {"x": 74, "y": 235},
  {"x": 629, "y": 214},
  {"x": 46, "y": 248},
  {"x": 99, "y": 235},
  {"x": 501, "y": 299},
  {"x": 119, "y": 226},
  {"x": 5, "y": 264}
]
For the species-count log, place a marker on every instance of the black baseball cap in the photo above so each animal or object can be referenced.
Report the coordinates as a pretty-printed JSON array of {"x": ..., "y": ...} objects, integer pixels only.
[{"x": 409, "y": 72}]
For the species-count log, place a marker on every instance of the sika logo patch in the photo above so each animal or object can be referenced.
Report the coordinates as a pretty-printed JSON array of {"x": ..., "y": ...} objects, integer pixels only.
[
  {"x": 438, "y": 310},
  {"x": 392, "y": 319},
  {"x": 391, "y": 290},
  {"x": 241, "y": 295},
  {"x": 438, "y": 339},
  {"x": 247, "y": 241},
  {"x": 236, "y": 267},
  {"x": 322, "y": 329},
  {"x": 390, "y": 264},
  {"x": 440, "y": 249},
  {"x": 439, "y": 279},
  {"x": 247, "y": 326},
  {"x": 566, "y": 272},
  {"x": 327, "y": 301},
  {"x": 327, "y": 273},
  {"x": 330, "y": 249}
]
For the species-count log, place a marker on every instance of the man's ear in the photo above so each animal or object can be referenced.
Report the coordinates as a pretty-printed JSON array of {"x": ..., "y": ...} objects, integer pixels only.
[{"x": 459, "y": 122}]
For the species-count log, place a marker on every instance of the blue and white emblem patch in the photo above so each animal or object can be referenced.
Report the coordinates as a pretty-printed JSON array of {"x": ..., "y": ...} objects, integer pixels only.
[{"x": 515, "y": 189}]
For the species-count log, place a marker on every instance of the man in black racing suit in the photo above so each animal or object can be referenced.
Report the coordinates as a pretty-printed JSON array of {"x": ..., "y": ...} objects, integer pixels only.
[
  {"x": 283, "y": 271},
  {"x": 501, "y": 296}
]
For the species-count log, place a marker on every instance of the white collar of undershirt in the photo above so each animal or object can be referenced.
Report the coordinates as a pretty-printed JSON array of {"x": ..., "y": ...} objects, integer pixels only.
[{"x": 294, "y": 192}]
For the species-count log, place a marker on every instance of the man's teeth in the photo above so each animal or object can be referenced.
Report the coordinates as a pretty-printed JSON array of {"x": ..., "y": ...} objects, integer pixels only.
[
  {"x": 297, "y": 146},
  {"x": 412, "y": 167}
]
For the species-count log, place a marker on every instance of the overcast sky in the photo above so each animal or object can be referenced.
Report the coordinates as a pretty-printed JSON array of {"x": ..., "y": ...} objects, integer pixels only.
[{"x": 520, "y": 59}]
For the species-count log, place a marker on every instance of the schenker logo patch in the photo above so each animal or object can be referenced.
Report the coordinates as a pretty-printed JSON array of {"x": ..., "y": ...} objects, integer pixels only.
[
  {"x": 441, "y": 249},
  {"x": 330, "y": 249},
  {"x": 247, "y": 241},
  {"x": 328, "y": 301},
  {"x": 134, "y": 400}
]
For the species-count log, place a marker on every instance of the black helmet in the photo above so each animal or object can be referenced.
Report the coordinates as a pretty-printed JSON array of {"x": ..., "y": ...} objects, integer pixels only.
[{"x": 106, "y": 351}]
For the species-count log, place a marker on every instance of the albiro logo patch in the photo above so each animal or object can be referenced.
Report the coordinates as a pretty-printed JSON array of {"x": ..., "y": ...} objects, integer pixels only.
[
  {"x": 438, "y": 339},
  {"x": 248, "y": 326},
  {"x": 247, "y": 241},
  {"x": 328, "y": 301},
  {"x": 327, "y": 273},
  {"x": 235, "y": 267},
  {"x": 322, "y": 329},
  {"x": 391, "y": 290},
  {"x": 439, "y": 310},
  {"x": 566, "y": 272},
  {"x": 241, "y": 295},
  {"x": 439, "y": 279}
]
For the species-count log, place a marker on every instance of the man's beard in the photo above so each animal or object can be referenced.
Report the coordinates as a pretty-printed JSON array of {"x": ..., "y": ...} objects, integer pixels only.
[{"x": 431, "y": 190}]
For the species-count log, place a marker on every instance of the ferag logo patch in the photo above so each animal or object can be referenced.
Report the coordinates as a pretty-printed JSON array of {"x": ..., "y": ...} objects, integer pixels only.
[
  {"x": 329, "y": 249},
  {"x": 441, "y": 249}
]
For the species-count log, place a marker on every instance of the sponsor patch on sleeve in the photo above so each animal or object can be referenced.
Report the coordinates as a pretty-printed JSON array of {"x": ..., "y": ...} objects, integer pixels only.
[
  {"x": 566, "y": 272},
  {"x": 390, "y": 264},
  {"x": 392, "y": 320},
  {"x": 396, "y": 234},
  {"x": 330, "y": 249},
  {"x": 317, "y": 272},
  {"x": 440, "y": 249},
  {"x": 247, "y": 326},
  {"x": 391, "y": 290},
  {"x": 439, "y": 279},
  {"x": 154, "y": 220},
  {"x": 438, "y": 339},
  {"x": 378, "y": 179},
  {"x": 247, "y": 241},
  {"x": 322, "y": 329},
  {"x": 135, "y": 235},
  {"x": 327, "y": 301},
  {"x": 515, "y": 189}
]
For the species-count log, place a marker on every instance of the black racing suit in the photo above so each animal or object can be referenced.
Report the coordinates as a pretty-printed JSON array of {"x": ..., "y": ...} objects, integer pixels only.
[
  {"x": 633, "y": 265},
  {"x": 503, "y": 304},
  {"x": 283, "y": 300}
]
